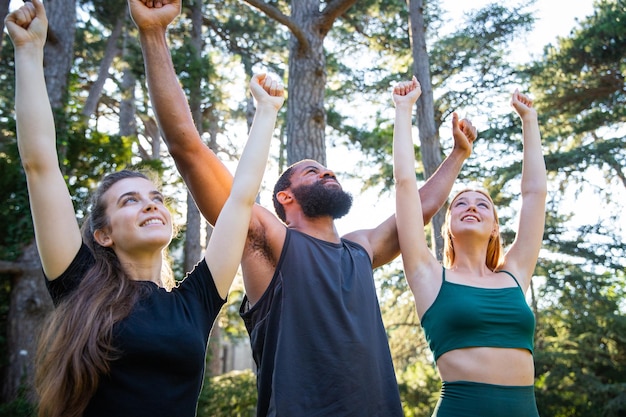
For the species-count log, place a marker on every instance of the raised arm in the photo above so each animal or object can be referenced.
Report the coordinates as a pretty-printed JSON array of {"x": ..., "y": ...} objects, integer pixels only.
[
  {"x": 522, "y": 257},
  {"x": 56, "y": 229},
  {"x": 416, "y": 256},
  {"x": 382, "y": 241},
  {"x": 225, "y": 247},
  {"x": 437, "y": 188},
  {"x": 206, "y": 176}
]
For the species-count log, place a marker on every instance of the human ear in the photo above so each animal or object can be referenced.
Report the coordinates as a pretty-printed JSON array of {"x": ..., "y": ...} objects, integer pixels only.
[
  {"x": 103, "y": 238},
  {"x": 284, "y": 197}
]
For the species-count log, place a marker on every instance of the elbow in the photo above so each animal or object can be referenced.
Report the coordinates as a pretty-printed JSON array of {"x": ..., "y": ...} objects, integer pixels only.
[
  {"x": 536, "y": 188},
  {"x": 402, "y": 183},
  {"x": 535, "y": 193},
  {"x": 34, "y": 166},
  {"x": 182, "y": 138}
]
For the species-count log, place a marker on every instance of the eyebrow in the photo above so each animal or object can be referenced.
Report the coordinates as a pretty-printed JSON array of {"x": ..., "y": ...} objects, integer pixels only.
[
  {"x": 483, "y": 199},
  {"x": 307, "y": 167},
  {"x": 135, "y": 193}
]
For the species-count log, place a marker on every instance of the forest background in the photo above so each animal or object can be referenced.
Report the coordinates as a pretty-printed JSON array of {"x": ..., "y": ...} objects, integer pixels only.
[{"x": 340, "y": 58}]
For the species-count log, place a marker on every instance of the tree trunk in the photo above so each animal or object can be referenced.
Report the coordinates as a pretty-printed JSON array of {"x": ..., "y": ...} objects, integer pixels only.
[
  {"x": 193, "y": 248},
  {"x": 29, "y": 305},
  {"x": 59, "y": 50},
  {"x": 306, "y": 116},
  {"x": 309, "y": 23},
  {"x": 110, "y": 52},
  {"x": 128, "y": 123},
  {"x": 425, "y": 113},
  {"x": 4, "y": 11}
]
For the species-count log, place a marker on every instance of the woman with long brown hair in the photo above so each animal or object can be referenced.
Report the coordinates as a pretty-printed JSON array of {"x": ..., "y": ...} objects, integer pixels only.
[
  {"x": 124, "y": 339},
  {"x": 473, "y": 309}
]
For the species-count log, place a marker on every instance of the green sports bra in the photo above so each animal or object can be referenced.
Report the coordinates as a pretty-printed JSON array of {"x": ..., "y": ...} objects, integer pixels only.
[{"x": 464, "y": 316}]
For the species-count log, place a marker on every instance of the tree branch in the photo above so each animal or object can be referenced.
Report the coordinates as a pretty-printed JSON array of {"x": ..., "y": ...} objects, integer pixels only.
[
  {"x": 332, "y": 11},
  {"x": 273, "y": 13},
  {"x": 7, "y": 267}
]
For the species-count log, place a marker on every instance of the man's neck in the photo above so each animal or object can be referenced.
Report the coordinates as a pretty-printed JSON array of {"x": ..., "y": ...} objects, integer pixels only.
[{"x": 322, "y": 228}]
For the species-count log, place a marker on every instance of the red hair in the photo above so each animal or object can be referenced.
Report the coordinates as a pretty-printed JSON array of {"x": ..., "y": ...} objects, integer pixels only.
[{"x": 495, "y": 255}]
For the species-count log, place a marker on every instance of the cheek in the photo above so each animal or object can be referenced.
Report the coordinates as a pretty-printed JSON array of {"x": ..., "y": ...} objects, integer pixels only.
[{"x": 120, "y": 221}]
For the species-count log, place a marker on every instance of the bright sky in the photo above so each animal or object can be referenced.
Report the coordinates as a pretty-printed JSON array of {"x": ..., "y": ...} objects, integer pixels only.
[{"x": 553, "y": 19}]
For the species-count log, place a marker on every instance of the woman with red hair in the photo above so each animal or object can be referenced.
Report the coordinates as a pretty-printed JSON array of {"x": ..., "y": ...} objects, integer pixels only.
[{"x": 473, "y": 309}]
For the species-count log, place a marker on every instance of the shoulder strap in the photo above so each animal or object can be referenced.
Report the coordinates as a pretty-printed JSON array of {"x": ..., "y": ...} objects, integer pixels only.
[{"x": 512, "y": 276}]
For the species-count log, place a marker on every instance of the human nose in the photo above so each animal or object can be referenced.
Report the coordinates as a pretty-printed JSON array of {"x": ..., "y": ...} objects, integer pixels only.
[
  {"x": 150, "y": 206},
  {"x": 327, "y": 173}
]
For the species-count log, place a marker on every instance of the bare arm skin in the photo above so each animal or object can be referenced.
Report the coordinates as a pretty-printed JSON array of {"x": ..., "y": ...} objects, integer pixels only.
[
  {"x": 56, "y": 228},
  {"x": 417, "y": 259},
  {"x": 522, "y": 257},
  {"x": 225, "y": 248},
  {"x": 382, "y": 241},
  {"x": 206, "y": 176}
]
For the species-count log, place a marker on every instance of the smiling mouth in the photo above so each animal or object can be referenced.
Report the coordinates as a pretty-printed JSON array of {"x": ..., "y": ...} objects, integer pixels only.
[
  {"x": 151, "y": 222},
  {"x": 469, "y": 217}
]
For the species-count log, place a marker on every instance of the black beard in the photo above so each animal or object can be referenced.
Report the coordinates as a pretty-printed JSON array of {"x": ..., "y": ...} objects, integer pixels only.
[{"x": 317, "y": 200}]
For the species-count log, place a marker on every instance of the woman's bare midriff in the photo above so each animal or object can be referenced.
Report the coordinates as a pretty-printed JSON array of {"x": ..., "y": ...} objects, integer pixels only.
[{"x": 499, "y": 366}]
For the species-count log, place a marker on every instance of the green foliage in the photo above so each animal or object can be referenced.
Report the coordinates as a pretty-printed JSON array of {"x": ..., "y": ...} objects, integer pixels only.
[
  {"x": 417, "y": 375},
  {"x": 239, "y": 30},
  {"x": 580, "y": 86},
  {"x": 419, "y": 386},
  {"x": 471, "y": 66},
  {"x": 106, "y": 12},
  {"x": 18, "y": 408},
  {"x": 16, "y": 228},
  {"x": 229, "y": 320},
  {"x": 229, "y": 395},
  {"x": 581, "y": 343}
]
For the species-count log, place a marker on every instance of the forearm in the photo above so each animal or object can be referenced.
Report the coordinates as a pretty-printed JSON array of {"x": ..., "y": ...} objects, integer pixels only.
[
  {"x": 409, "y": 217},
  {"x": 35, "y": 123},
  {"x": 253, "y": 161},
  {"x": 232, "y": 227},
  {"x": 166, "y": 94},
  {"x": 403, "y": 150},
  {"x": 206, "y": 176},
  {"x": 50, "y": 202},
  {"x": 437, "y": 188},
  {"x": 533, "y": 166}
]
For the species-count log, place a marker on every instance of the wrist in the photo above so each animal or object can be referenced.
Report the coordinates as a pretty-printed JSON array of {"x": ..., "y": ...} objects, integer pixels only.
[
  {"x": 266, "y": 108},
  {"x": 29, "y": 51},
  {"x": 404, "y": 106},
  {"x": 529, "y": 117},
  {"x": 460, "y": 153},
  {"x": 151, "y": 32}
]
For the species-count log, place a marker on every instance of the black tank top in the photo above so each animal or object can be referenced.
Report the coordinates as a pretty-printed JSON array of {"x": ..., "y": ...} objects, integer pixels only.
[{"x": 317, "y": 335}]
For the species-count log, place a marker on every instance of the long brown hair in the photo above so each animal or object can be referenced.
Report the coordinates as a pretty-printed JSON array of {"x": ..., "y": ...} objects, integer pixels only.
[
  {"x": 75, "y": 345},
  {"x": 494, "y": 256}
]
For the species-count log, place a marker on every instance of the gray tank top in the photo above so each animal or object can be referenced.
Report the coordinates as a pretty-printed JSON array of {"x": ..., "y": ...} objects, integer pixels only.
[{"x": 317, "y": 335}]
